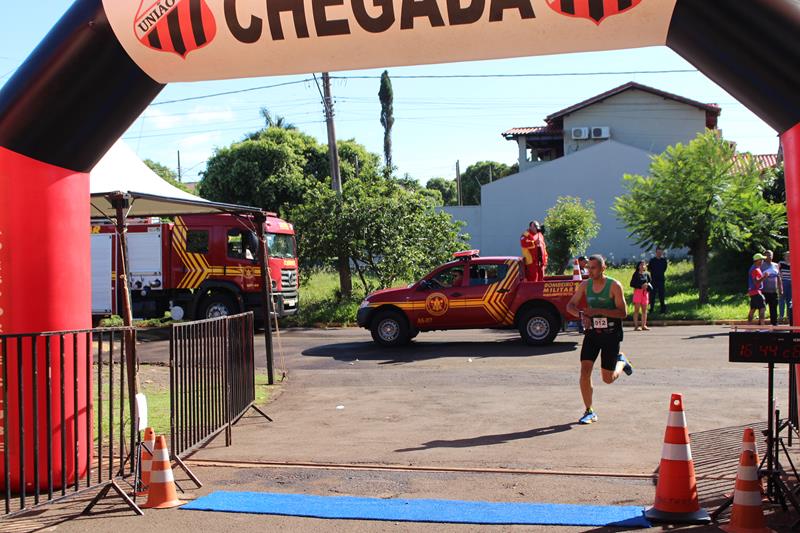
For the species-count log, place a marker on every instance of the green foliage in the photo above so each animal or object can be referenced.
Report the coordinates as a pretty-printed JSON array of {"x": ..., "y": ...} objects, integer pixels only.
[
  {"x": 272, "y": 171},
  {"x": 447, "y": 190},
  {"x": 386, "y": 229},
  {"x": 570, "y": 226},
  {"x": 166, "y": 173},
  {"x": 386, "y": 96},
  {"x": 695, "y": 197},
  {"x": 481, "y": 173}
]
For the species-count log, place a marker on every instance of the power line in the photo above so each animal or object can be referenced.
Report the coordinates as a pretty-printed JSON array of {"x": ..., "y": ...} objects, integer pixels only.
[
  {"x": 434, "y": 76},
  {"x": 526, "y": 75},
  {"x": 226, "y": 93}
]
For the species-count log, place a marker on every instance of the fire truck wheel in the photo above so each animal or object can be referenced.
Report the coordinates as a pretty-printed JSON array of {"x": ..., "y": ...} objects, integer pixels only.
[
  {"x": 216, "y": 305},
  {"x": 538, "y": 327},
  {"x": 390, "y": 328}
]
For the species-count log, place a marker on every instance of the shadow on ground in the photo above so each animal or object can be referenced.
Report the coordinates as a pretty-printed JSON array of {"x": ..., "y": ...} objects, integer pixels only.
[
  {"x": 489, "y": 440},
  {"x": 421, "y": 351}
]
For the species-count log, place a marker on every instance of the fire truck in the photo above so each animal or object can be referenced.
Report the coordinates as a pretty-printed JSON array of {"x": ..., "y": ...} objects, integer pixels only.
[
  {"x": 195, "y": 267},
  {"x": 471, "y": 292}
]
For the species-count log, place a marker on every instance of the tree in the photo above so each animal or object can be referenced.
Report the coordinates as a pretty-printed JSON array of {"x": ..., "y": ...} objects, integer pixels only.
[
  {"x": 570, "y": 226},
  {"x": 697, "y": 198},
  {"x": 166, "y": 173},
  {"x": 446, "y": 187},
  {"x": 386, "y": 96},
  {"x": 273, "y": 171},
  {"x": 481, "y": 173},
  {"x": 389, "y": 231}
]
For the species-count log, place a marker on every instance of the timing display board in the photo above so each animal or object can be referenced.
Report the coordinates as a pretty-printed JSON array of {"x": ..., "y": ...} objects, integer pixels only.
[{"x": 764, "y": 347}]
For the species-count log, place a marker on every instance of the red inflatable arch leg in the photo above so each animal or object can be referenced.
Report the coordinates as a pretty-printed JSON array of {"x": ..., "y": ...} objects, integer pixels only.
[
  {"x": 790, "y": 141},
  {"x": 44, "y": 251}
]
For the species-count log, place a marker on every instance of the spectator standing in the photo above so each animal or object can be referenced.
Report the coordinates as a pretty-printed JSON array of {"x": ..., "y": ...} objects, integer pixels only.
[
  {"x": 582, "y": 264},
  {"x": 534, "y": 251},
  {"x": 755, "y": 281},
  {"x": 641, "y": 283},
  {"x": 658, "y": 269},
  {"x": 773, "y": 288},
  {"x": 786, "y": 285}
]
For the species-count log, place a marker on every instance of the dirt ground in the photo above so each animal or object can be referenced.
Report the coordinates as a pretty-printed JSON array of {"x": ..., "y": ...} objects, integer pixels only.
[{"x": 449, "y": 416}]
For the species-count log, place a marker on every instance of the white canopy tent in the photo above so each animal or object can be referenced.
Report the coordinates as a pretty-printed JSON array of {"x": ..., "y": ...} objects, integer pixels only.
[{"x": 121, "y": 173}]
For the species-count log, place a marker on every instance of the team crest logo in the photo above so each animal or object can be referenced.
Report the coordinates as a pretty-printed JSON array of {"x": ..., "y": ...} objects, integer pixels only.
[
  {"x": 177, "y": 26},
  {"x": 594, "y": 10},
  {"x": 437, "y": 304}
]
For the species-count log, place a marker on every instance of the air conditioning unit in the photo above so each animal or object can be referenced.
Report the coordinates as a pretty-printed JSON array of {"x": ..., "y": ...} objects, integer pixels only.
[
  {"x": 580, "y": 133},
  {"x": 601, "y": 132}
]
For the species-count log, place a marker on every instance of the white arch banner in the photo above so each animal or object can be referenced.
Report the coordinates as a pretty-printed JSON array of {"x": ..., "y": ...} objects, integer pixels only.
[{"x": 189, "y": 40}]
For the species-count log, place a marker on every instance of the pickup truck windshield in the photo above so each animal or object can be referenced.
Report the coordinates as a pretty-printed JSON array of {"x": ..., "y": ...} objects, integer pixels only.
[{"x": 281, "y": 245}]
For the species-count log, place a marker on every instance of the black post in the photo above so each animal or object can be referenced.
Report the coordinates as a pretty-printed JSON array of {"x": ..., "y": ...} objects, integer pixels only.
[
  {"x": 266, "y": 291},
  {"x": 121, "y": 202}
]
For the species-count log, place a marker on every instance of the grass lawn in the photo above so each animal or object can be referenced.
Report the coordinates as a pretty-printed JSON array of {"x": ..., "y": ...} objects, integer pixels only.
[
  {"x": 727, "y": 299},
  {"x": 154, "y": 384}
]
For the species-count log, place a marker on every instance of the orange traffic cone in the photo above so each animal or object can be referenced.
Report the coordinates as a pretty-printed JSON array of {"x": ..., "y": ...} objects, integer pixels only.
[
  {"x": 148, "y": 445},
  {"x": 749, "y": 443},
  {"x": 161, "y": 493},
  {"x": 576, "y": 271},
  {"x": 747, "y": 515},
  {"x": 676, "y": 492}
]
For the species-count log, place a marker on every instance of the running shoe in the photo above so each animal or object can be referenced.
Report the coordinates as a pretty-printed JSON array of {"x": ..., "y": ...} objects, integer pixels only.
[
  {"x": 628, "y": 368},
  {"x": 589, "y": 417}
]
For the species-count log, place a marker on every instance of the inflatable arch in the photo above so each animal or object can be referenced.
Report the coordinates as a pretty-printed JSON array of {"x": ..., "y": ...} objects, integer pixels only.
[{"x": 106, "y": 60}]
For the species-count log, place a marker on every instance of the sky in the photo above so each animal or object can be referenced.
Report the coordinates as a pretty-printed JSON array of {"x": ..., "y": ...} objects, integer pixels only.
[{"x": 438, "y": 121}]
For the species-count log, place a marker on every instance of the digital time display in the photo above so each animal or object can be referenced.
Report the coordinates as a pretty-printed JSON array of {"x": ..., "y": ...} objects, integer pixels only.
[{"x": 764, "y": 347}]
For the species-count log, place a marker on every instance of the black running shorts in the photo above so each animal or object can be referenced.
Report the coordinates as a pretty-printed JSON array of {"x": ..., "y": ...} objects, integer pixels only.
[{"x": 604, "y": 344}]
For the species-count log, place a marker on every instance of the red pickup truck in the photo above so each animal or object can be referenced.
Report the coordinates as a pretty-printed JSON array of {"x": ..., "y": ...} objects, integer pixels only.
[{"x": 470, "y": 292}]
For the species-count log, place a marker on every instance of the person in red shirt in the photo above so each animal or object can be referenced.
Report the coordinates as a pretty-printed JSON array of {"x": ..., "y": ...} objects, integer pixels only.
[
  {"x": 755, "y": 282},
  {"x": 534, "y": 251}
]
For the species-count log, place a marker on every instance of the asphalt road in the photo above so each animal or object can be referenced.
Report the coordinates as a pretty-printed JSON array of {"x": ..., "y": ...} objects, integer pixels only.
[{"x": 481, "y": 402}]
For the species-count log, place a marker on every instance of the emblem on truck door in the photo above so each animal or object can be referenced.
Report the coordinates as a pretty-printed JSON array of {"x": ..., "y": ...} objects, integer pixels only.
[{"x": 437, "y": 304}]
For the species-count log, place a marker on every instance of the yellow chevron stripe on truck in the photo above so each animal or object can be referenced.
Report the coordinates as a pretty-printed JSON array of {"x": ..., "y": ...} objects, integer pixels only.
[
  {"x": 196, "y": 264},
  {"x": 492, "y": 300}
]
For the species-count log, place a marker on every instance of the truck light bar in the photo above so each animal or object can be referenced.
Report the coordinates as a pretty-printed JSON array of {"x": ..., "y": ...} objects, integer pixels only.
[{"x": 466, "y": 254}]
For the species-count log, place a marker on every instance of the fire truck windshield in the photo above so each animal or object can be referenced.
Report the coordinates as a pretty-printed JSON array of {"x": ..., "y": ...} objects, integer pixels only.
[{"x": 280, "y": 245}]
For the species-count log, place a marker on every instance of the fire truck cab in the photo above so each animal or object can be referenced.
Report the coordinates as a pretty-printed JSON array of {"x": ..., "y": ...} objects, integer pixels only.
[
  {"x": 470, "y": 292},
  {"x": 197, "y": 266}
]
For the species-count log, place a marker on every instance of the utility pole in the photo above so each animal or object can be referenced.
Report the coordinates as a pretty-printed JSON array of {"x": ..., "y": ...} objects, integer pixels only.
[
  {"x": 345, "y": 278},
  {"x": 333, "y": 151},
  {"x": 458, "y": 182},
  {"x": 180, "y": 178}
]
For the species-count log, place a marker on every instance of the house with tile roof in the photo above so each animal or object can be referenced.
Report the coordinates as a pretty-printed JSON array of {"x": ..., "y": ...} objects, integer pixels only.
[{"x": 583, "y": 150}]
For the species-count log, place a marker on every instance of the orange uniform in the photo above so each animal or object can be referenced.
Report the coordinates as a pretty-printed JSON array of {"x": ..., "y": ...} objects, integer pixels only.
[{"x": 534, "y": 253}]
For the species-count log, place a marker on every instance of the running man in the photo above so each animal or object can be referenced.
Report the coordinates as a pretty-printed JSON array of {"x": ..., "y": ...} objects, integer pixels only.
[{"x": 602, "y": 322}]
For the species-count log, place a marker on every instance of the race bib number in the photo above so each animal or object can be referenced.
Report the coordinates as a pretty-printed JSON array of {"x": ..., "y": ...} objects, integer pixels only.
[{"x": 599, "y": 322}]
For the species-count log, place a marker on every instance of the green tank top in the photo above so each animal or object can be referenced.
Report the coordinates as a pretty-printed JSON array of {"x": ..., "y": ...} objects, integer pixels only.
[{"x": 602, "y": 299}]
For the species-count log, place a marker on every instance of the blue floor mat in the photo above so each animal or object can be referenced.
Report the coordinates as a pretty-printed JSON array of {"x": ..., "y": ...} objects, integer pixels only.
[{"x": 440, "y": 511}]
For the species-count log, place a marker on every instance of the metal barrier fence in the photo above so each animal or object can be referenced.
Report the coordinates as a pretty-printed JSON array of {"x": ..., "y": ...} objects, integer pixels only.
[
  {"x": 212, "y": 379},
  {"x": 66, "y": 415}
]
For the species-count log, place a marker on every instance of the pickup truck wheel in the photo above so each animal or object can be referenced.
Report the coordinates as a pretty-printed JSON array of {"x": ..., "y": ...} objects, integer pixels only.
[
  {"x": 216, "y": 305},
  {"x": 538, "y": 327},
  {"x": 390, "y": 328}
]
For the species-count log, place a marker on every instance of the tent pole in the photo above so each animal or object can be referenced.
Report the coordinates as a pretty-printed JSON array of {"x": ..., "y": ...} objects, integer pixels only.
[
  {"x": 266, "y": 292},
  {"x": 121, "y": 202}
]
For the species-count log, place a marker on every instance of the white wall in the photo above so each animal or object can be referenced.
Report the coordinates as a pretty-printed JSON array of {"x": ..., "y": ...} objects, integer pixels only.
[
  {"x": 471, "y": 216},
  {"x": 637, "y": 118},
  {"x": 591, "y": 174}
]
